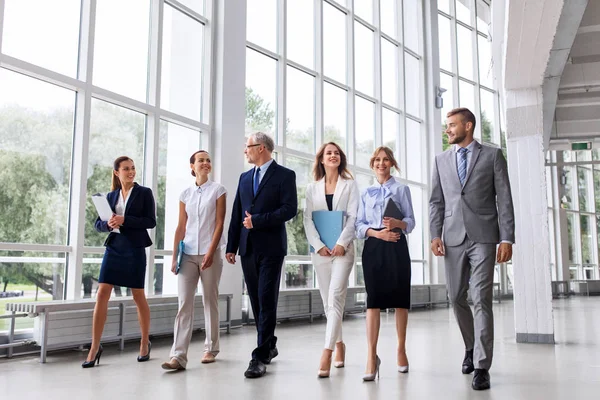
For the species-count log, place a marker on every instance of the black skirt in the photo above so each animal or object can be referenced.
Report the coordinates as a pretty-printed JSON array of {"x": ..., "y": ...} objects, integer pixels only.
[
  {"x": 123, "y": 265},
  {"x": 387, "y": 271}
]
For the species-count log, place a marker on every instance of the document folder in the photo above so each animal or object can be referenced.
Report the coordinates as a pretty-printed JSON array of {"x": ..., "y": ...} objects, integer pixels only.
[
  {"x": 329, "y": 224},
  {"x": 180, "y": 248},
  {"x": 391, "y": 210},
  {"x": 102, "y": 207}
]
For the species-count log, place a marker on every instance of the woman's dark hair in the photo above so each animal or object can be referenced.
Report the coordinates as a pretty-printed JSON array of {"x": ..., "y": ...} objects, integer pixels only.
[
  {"x": 193, "y": 159},
  {"x": 319, "y": 168},
  {"x": 116, "y": 183}
]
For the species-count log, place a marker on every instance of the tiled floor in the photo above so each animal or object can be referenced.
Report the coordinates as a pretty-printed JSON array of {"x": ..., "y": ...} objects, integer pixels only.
[{"x": 568, "y": 370}]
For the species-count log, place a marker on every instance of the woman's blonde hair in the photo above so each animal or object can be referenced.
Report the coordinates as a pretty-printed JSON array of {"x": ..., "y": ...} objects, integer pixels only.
[{"x": 388, "y": 152}]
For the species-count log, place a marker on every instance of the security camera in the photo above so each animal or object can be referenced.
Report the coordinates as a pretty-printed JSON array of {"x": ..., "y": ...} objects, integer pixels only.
[{"x": 439, "y": 101}]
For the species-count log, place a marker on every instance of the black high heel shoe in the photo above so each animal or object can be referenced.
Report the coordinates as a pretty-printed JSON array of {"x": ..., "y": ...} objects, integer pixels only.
[
  {"x": 147, "y": 356},
  {"x": 92, "y": 364}
]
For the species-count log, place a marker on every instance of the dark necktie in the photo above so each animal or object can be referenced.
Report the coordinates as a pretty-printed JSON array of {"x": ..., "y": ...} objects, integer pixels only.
[
  {"x": 462, "y": 165},
  {"x": 256, "y": 180}
]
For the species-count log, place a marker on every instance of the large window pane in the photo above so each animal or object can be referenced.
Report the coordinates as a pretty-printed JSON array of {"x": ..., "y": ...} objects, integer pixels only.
[
  {"x": 572, "y": 234},
  {"x": 335, "y": 102},
  {"x": 415, "y": 238},
  {"x": 196, "y": 5},
  {"x": 484, "y": 17},
  {"x": 485, "y": 61},
  {"x": 466, "y": 96},
  {"x": 114, "y": 131},
  {"x": 300, "y": 126},
  {"x": 391, "y": 128},
  {"x": 261, "y": 23},
  {"x": 444, "y": 5},
  {"x": 365, "y": 131},
  {"x": 414, "y": 143},
  {"x": 389, "y": 10},
  {"x": 413, "y": 96},
  {"x": 597, "y": 189},
  {"x": 301, "y": 32},
  {"x": 36, "y": 131},
  {"x": 364, "y": 10},
  {"x": 43, "y": 32},
  {"x": 417, "y": 274},
  {"x": 364, "y": 57},
  {"x": 176, "y": 145},
  {"x": 585, "y": 185},
  {"x": 464, "y": 40},
  {"x": 181, "y": 90},
  {"x": 446, "y": 81},
  {"x": 412, "y": 24},
  {"x": 121, "y": 46},
  {"x": 463, "y": 10},
  {"x": 445, "y": 43},
  {"x": 334, "y": 43},
  {"x": 261, "y": 93},
  {"x": 568, "y": 199},
  {"x": 389, "y": 73},
  {"x": 488, "y": 134},
  {"x": 587, "y": 256},
  {"x": 297, "y": 243}
]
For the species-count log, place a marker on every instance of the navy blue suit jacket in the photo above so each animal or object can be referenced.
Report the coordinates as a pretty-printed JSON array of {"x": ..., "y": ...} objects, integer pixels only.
[
  {"x": 140, "y": 215},
  {"x": 275, "y": 203}
]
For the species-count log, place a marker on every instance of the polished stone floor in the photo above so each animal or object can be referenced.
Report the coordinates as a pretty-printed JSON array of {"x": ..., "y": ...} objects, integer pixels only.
[{"x": 568, "y": 370}]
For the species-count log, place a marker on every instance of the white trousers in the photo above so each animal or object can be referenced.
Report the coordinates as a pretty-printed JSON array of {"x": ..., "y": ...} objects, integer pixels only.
[
  {"x": 187, "y": 282},
  {"x": 332, "y": 276}
]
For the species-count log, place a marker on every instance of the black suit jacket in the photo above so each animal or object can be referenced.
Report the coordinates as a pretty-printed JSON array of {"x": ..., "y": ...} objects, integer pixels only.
[
  {"x": 275, "y": 203},
  {"x": 140, "y": 215}
]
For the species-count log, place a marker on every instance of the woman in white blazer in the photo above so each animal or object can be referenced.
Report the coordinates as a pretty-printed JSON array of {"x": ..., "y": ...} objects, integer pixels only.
[{"x": 334, "y": 189}]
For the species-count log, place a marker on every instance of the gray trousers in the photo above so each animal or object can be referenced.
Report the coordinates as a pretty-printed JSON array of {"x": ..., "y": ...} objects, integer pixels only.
[
  {"x": 472, "y": 264},
  {"x": 187, "y": 282}
]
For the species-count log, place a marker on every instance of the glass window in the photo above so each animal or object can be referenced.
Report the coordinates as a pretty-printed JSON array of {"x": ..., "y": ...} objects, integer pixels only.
[
  {"x": 571, "y": 232},
  {"x": 114, "y": 131},
  {"x": 334, "y": 43},
  {"x": 597, "y": 189},
  {"x": 120, "y": 52},
  {"x": 463, "y": 10},
  {"x": 364, "y": 59},
  {"x": 413, "y": 96},
  {"x": 181, "y": 90},
  {"x": 194, "y": 5},
  {"x": 261, "y": 23},
  {"x": 412, "y": 30},
  {"x": 301, "y": 32},
  {"x": 389, "y": 73},
  {"x": 549, "y": 185},
  {"x": 365, "y": 131},
  {"x": 466, "y": 95},
  {"x": 444, "y": 5},
  {"x": 261, "y": 93},
  {"x": 486, "y": 77},
  {"x": 587, "y": 256},
  {"x": 297, "y": 243},
  {"x": 36, "y": 134},
  {"x": 484, "y": 18},
  {"x": 389, "y": 12},
  {"x": 391, "y": 129},
  {"x": 335, "y": 108},
  {"x": 417, "y": 274},
  {"x": 364, "y": 10},
  {"x": 445, "y": 43},
  {"x": 298, "y": 275},
  {"x": 447, "y": 83},
  {"x": 567, "y": 201},
  {"x": 488, "y": 134},
  {"x": 585, "y": 185},
  {"x": 465, "y": 48},
  {"x": 300, "y": 126},
  {"x": 364, "y": 181},
  {"x": 57, "y": 47},
  {"x": 414, "y": 141},
  {"x": 415, "y": 238}
]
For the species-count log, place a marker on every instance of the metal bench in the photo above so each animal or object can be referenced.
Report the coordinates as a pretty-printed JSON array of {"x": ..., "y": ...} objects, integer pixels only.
[{"x": 68, "y": 323}]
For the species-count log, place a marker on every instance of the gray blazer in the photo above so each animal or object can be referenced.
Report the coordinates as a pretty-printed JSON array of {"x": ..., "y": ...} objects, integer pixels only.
[{"x": 482, "y": 209}]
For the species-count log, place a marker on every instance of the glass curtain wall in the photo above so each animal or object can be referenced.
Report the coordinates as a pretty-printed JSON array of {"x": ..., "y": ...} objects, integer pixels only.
[
  {"x": 344, "y": 71},
  {"x": 93, "y": 77}
]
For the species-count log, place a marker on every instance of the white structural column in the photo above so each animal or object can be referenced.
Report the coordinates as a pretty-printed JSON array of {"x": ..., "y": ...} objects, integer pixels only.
[
  {"x": 531, "y": 259},
  {"x": 229, "y": 120}
]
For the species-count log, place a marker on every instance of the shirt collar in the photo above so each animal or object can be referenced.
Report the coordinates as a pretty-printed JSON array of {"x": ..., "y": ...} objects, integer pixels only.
[
  {"x": 266, "y": 165},
  {"x": 203, "y": 186},
  {"x": 469, "y": 147}
]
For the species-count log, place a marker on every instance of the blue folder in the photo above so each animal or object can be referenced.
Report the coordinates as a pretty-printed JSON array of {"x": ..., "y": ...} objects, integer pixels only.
[
  {"x": 329, "y": 224},
  {"x": 181, "y": 247}
]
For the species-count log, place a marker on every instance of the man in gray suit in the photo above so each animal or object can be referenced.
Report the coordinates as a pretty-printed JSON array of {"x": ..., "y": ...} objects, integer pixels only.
[{"x": 470, "y": 212}]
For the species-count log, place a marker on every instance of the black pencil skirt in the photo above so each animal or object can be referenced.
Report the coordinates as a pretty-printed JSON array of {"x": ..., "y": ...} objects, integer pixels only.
[
  {"x": 387, "y": 271},
  {"x": 122, "y": 264}
]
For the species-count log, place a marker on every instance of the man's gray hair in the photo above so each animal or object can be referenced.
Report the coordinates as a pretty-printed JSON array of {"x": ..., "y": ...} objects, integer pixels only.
[{"x": 264, "y": 139}]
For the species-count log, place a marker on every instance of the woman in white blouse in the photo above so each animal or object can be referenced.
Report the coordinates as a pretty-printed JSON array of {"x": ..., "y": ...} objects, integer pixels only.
[
  {"x": 200, "y": 226},
  {"x": 334, "y": 190}
]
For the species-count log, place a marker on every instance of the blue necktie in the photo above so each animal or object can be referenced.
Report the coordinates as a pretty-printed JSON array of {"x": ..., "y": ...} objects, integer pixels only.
[
  {"x": 256, "y": 180},
  {"x": 462, "y": 165}
]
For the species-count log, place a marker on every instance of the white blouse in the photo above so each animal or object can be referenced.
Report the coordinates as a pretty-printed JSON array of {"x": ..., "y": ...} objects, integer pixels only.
[
  {"x": 121, "y": 206},
  {"x": 201, "y": 208}
]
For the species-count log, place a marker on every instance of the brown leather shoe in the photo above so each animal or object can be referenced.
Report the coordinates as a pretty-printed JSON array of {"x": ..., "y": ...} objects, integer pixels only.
[
  {"x": 172, "y": 365},
  {"x": 208, "y": 358}
]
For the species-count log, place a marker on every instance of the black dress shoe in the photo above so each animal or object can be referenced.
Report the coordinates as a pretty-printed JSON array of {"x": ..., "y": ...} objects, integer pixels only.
[
  {"x": 256, "y": 369},
  {"x": 96, "y": 360},
  {"x": 147, "y": 356},
  {"x": 481, "y": 379},
  {"x": 467, "y": 365},
  {"x": 272, "y": 354}
]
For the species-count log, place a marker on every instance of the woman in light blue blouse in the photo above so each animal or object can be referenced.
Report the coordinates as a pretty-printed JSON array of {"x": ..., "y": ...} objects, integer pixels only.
[{"x": 385, "y": 258}]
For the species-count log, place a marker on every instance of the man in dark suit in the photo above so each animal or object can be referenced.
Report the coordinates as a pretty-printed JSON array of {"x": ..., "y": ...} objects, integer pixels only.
[{"x": 265, "y": 199}]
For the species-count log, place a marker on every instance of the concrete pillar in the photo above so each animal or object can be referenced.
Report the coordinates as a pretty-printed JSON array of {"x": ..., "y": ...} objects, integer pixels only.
[
  {"x": 531, "y": 258},
  {"x": 228, "y": 138}
]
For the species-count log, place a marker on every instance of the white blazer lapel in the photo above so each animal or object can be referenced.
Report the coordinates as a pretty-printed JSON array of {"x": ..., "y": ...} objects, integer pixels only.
[
  {"x": 339, "y": 190},
  {"x": 319, "y": 202}
]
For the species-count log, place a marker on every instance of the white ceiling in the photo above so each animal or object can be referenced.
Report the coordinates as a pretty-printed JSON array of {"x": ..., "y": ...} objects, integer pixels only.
[{"x": 577, "y": 113}]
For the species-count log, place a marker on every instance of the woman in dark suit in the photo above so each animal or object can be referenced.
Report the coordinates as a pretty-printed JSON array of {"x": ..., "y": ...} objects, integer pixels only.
[{"x": 124, "y": 262}]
